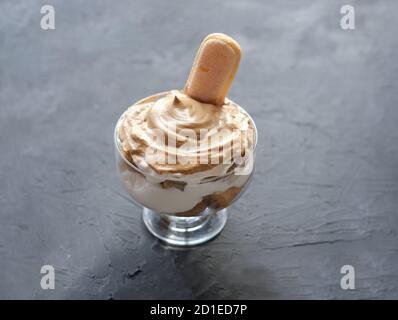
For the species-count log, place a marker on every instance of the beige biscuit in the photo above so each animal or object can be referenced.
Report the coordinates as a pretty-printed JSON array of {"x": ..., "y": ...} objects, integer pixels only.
[
  {"x": 167, "y": 184},
  {"x": 217, "y": 200},
  {"x": 214, "y": 69},
  {"x": 197, "y": 209},
  {"x": 220, "y": 200}
]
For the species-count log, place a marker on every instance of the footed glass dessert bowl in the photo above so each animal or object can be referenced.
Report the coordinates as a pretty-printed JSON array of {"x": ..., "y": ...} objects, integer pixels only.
[
  {"x": 183, "y": 205},
  {"x": 186, "y": 155}
]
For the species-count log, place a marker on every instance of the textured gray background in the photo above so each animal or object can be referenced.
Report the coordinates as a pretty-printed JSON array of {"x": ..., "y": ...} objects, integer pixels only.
[{"x": 326, "y": 189}]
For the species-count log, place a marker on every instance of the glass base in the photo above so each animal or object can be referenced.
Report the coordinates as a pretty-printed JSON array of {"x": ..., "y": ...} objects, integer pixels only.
[{"x": 185, "y": 231}]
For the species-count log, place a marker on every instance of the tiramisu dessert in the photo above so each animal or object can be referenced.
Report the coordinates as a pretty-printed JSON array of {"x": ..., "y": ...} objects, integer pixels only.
[{"x": 184, "y": 151}]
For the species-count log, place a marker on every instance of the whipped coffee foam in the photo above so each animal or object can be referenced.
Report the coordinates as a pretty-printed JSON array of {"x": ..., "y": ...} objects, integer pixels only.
[{"x": 176, "y": 136}]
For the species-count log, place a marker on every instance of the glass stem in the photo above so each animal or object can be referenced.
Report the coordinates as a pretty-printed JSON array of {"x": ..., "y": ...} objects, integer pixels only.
[{"x": 181, "y": 224}]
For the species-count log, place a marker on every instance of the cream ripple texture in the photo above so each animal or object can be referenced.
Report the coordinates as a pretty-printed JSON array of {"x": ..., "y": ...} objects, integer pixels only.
[{"x": 224, "y": 135}]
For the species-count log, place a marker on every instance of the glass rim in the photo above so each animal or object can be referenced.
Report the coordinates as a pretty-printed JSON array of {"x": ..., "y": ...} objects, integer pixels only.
[{"x": 117, "y": 140}]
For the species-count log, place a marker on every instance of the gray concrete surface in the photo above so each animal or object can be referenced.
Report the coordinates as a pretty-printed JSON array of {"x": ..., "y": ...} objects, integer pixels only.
[{"x": 326, "y": 189}]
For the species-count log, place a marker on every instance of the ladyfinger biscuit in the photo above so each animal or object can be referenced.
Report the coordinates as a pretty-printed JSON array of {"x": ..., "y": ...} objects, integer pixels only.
[
  {"x": 220, "y": 200},
  {"x": 214, "y": 69},
  {"x": 197, "y": 209}
]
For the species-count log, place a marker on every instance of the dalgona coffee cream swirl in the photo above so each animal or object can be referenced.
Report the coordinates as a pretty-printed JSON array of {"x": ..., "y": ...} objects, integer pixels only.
[{"x": 180, "y": 136}]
